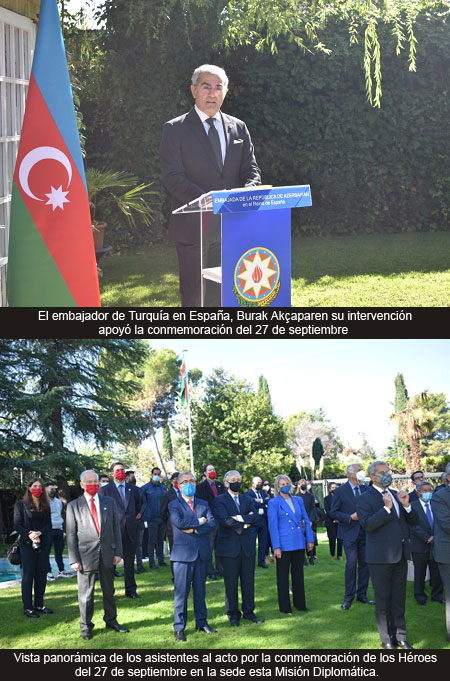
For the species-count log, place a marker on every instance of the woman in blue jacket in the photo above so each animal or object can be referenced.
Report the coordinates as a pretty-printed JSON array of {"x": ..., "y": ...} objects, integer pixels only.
[{"x": 287, "y": 518}]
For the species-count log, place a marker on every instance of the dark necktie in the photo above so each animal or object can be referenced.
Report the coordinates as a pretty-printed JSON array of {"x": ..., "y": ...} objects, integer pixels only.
[
  {"x": 122, "y": 492},
  {"x": 429, "y": 516},
  {"x": 236, "y": 501},
  {"x": 214, "y": 140},
  {"x": 357, "y": 491},
  {"x": 214, "y": 489},
  {"x": 95, "y": 515}
]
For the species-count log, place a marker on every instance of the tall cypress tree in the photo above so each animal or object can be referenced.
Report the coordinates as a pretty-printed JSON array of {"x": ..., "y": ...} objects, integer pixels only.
[
  {"x": 264, "y": 395},
  {"x": 401, "y": 400}
]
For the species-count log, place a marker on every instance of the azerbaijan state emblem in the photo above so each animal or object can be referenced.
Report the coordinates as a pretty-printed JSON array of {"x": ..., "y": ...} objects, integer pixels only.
[{"x": 257, "y": 278}]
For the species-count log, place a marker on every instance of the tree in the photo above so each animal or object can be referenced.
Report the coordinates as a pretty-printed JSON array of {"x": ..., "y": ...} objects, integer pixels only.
[
  {"x": 401, "y": 400},
  {"x": 317, "y": 453},
  {"x": 167, "y": 442},
  {"x": 57, "y": 393},
  {"x": 303, "y": 429},
  {"x": 233, "y": 430},
  {"x": 436, "y": 446},
  {"x": 264, "y": 394},
  {"x": 416, "y": 421}
]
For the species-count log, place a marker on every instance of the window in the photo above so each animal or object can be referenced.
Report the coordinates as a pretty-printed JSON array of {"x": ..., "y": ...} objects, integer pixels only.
[{"x": 17, "y": 37}]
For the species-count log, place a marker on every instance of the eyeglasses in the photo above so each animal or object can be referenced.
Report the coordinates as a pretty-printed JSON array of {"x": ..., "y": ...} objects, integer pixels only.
[
  {"x": 185, "y": 482},
  {"x": 208, "y": 89}
]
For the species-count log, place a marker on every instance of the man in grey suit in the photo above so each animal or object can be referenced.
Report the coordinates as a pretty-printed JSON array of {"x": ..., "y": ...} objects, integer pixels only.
[
  {"x": 95, "y": 544},
  {"x": 440, "y": 504},
  {"x": 202, "y": 151}
]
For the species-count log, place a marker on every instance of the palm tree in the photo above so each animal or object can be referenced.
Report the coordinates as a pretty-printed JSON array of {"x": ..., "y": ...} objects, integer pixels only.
[{"x": 415, "y": 422}]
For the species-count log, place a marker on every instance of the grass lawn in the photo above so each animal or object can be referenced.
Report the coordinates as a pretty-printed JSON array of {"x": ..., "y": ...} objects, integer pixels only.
[
  {"x": 388, "y": 270},
  {"x": 150, "y": 619}
]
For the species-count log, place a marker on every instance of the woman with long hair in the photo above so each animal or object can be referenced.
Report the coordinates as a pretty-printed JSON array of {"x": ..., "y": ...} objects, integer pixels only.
[{"x": 32, "y": 521}]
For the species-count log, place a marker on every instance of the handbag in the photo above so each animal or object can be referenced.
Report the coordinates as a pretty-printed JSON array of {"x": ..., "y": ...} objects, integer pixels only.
[{"x": 13, "y": 554}]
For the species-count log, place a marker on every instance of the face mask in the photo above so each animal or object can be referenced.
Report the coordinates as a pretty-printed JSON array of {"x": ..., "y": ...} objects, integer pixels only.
[
  {"x": 426, "y": 496},
  {"x": 385, "y": 480},
  {"x": 188, "y": 489},
  {"x": 266, "y": 488},
  {"x": 235, "y": 486},
  {"x": 361, "y": 476},
  {"x": 155, "y": 478},
  {"x": 36, "y": 492},
  {"x": 285, "y": 489},
  {"x": 212, "y": 475},
  {"x": 103, "y": 484},
  {"x": 308, "y": 486},
  {"x": 92, "y": 489},
  {"x": 119, "y": 475},
  {"x": 303, "y": 487},
  {"x": 259, "y": 487},
  {"x": 52, "y": 494},
  {"x": 175, "y": 484}
]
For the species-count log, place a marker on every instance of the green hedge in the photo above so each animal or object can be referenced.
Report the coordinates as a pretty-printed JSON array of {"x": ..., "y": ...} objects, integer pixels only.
[{"x": 370, "y": 170}]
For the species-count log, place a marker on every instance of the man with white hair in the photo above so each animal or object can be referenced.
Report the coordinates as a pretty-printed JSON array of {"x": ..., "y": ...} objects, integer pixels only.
[
  {"x": 95, "y": 544},
  {"x": 235, "y": 514},
  {"x": 343, "y": 509},
  {"x": 440, "y": 504},
  {"x": 202, "y": 151}
]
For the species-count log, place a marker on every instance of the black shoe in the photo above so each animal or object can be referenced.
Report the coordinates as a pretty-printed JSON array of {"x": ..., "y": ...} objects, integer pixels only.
[
  {"x": 263, "y": 565},
  {"x": 234, "y": 623},
  {"x": 45, "y": 610},
  {"x": 388, "y": 646},
  {"x": 213, "y": 577},
  {"x": 117, "y": 573},
  {"x": 140, "y": 569},
  {"x": 364, "y": 599},
  {"x": 30, "y": 613},
  {"x": 405, "y": 645},
  {"x": 346, "y": 605},
  {"x": 153, "y": 567},
  {"x": 421, "y": 601},
  {"x": 254, "y": 619},
  {"x": 207, "y": 629},
  {"x": 438, "y": 600},
  {"x": 86, "y": 635},
  {"x": 164, "y": 564},
  {"x": 132, "y": 595},
  {"x": 118, "y": 627},
  {"x": 179, "y": 636}
]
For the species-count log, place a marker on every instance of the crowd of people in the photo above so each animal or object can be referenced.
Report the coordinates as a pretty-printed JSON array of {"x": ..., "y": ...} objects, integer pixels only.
[{"x": 216, "y": 530}]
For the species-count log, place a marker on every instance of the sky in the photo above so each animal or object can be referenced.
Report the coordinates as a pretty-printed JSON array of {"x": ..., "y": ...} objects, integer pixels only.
[{"x": 352, "y": 380}]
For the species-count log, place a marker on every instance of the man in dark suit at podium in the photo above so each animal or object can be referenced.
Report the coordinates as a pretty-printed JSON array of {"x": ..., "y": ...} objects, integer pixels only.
[{"x": 201, "y": 151}]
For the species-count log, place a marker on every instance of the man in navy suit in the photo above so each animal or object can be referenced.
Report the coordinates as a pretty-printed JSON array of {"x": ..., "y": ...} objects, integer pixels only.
[
  {"x": 385, "y": 516},
  {"x": 343, "y": 509},
  {"x": 235, "y": 514},
  {"x": 440, "y": 504},
  {"x": 422, "y": 546},
  {"x": 128, "y": 502},
  {"x": 201, "y": 151},
  {"x": 260, "y": 499},
  {"x": 192, "y": 522}
]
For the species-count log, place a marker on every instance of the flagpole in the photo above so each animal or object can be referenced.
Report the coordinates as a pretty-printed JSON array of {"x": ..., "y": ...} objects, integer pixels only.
[{"x": 189, "y": 412}]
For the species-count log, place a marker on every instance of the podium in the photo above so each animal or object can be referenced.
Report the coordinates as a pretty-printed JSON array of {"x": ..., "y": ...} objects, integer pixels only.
[{"x": 245, "y": 237}]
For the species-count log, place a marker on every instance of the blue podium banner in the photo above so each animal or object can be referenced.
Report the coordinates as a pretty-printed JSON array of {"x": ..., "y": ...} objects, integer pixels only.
[
  {"x": 256, "y": 259},
  {"x": 255, "y": 199}
]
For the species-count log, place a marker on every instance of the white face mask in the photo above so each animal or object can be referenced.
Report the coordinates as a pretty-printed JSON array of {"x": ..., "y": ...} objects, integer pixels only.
[
  {"x": 308, "y": 487},
  {"x": 266, "y": 487},
  {"x": 361, "y": 476}
]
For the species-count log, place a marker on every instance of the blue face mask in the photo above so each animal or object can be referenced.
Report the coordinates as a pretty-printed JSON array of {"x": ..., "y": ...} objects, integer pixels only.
[
  {"x": 385, "y": 480},
  {"x": 426, "y": 496},
  {"x": 155, "y": 478},
  {"x": 188, "y": 489},
  {"x": 285, "y": 489}
]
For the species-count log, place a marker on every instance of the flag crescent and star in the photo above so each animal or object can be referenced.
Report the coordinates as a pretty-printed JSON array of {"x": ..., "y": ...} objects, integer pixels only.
[{"x": 51, "y": 258}]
